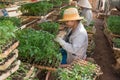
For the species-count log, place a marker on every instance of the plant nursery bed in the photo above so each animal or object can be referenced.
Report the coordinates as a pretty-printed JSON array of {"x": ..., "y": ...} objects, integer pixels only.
[
  {"x": 111, "y": 30},
  {"x": 8, "y": 49},
  {"x": 116, "y": 47}
]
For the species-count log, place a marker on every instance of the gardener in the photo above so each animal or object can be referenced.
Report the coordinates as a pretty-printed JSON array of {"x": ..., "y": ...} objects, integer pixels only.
[
  {"x": 77, "y": 43},
  {"x": 86, "y": 10}
]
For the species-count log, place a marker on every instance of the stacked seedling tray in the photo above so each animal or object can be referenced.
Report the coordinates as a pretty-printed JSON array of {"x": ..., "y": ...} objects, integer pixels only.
[
  {"x": 8, "y": 44},
  {"x": 79, "y": 70},
  {"x": 25, "y": 72}
]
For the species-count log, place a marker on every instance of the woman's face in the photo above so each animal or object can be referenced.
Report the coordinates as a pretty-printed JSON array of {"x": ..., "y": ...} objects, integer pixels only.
[{"x": 70, "y": 24}]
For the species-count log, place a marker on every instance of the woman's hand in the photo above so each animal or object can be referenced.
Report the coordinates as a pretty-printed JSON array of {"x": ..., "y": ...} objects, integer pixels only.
[
  {"x": 60, "y": 40},
  {"x": 61, "y": 34}
]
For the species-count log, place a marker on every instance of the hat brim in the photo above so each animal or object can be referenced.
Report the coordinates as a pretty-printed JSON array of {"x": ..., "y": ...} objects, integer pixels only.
[{"x": 80, "y": 18}]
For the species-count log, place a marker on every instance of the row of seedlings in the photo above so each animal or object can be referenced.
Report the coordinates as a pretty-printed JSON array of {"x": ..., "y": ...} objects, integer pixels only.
[
  {"x": 42, "y": 46},
  {"x": 113, "y": 23},
  {"x": 8, "y": 44},
  {"x": 40, "y": 8},
  {"x": 79, "y": 70},
  {"x": 38, "y": 47}
]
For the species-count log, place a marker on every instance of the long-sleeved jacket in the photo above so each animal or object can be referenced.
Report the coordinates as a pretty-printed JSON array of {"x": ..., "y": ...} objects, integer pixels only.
[
  {"x": 78, "y": 43},
  {"x": 87, "y": 13}
]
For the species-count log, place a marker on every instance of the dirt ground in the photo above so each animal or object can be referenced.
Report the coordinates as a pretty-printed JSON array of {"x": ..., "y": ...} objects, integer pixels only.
[{"x": 103, "y": 55}]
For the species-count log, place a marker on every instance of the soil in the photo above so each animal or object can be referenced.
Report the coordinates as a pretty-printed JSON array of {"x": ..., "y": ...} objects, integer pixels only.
[
  {"x": 103, "y": 54},
  {"x": 41, "y": 75}
]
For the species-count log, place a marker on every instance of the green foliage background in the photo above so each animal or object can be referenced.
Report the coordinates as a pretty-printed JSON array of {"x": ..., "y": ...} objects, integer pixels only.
[{"x": 113, "y": 23}]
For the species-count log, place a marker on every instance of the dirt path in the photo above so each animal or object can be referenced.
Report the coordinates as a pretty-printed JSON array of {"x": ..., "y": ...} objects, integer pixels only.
[{"x": 103, "y": 53}]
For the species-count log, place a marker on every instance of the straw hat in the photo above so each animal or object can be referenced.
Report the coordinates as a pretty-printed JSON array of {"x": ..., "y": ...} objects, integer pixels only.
[
  {"x": 71, "y": 14},
  {"x": 84, "y": 3}
]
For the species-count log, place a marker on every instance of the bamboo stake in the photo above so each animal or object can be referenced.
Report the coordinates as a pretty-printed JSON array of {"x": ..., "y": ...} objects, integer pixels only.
[
  {"x": 24, "y": 26},
  {"x": 43, "y": 19},
  {"x": 45, "y": 67},
  {"x": 47, "y": 76},
  {"x": 29, "y": 73}
]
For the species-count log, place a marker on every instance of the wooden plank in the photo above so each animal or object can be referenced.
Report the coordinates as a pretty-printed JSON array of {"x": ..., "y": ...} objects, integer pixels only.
[
  {"x": 24, "y": 26},
  {"x": 11, "y": 71},
  {"x": 5, "y": 65},
  {"x": 9, "y": 50}
]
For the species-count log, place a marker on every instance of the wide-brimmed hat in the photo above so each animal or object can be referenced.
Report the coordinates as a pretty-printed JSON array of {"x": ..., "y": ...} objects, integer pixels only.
[
  {"x": 84, "y": 3},
  {"x": 71, "y": 14}
]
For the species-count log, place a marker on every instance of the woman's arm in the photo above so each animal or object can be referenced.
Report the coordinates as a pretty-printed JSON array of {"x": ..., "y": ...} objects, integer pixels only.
[{"x": 76, "y": 44}]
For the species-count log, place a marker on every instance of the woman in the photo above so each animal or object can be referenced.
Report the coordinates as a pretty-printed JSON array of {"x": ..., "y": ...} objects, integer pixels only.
[
  {"x": 77, "y": 43},
  {"x": 86, "y": 10}
]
